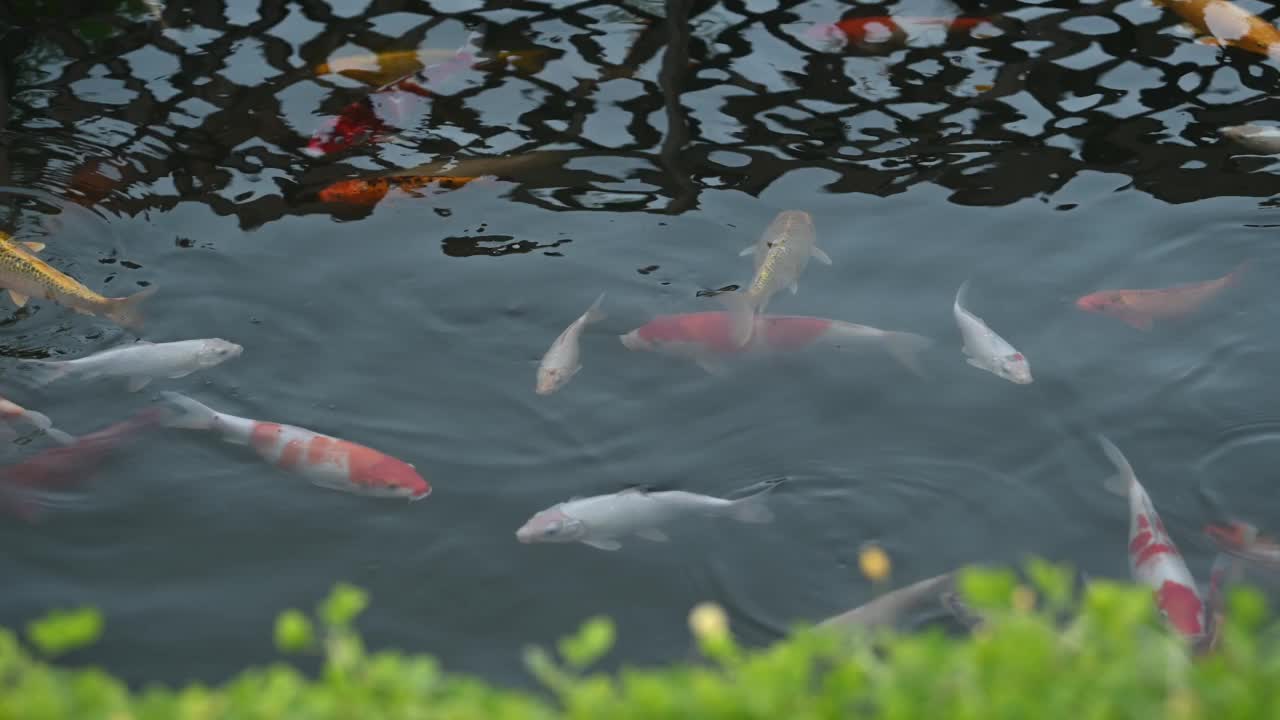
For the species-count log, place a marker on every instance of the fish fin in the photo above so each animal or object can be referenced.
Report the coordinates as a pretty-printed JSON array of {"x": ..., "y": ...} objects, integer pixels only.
[
  {"x": 751, "y": 509},
  {"x": 1136, "y": 321},
  {"x": 60, "y": 437},
  {"x": 594, "y": 314},
  {"x": 1124, "y": 472},
  {"x": 904, "y": 347},
  {"x": 820, "y": 256},
  {"x": 747, "y": 250},
  {"x": 603, "y": 544},
  {"x": 137, "y": 383},
  {"x": 714, "y": 366},
  {"x": 974, "y": 362},
  {"x": 18, "y": 298},
  {"x": 34, "y": 247},
  {"x": 195, "y": 416},
  {"x": 742, "y": 319},
  {"x": 653, "y": 534},
  {"x": 37, "y": 419},
  {"x": 180, "y": 374},
  {"x": 794, "y": 287},
  {"x": 47, "y": 371},
  {"x": 127, "y": 311}
]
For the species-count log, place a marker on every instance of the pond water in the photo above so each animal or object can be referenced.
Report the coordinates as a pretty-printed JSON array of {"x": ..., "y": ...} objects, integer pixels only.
[{"x": 1053, "y": 150}]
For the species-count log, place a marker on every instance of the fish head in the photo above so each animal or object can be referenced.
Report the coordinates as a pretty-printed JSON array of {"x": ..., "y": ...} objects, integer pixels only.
[
  {"x": 217, "y": 350},
  {"x": 1014, "y": 368},
  {"x": 384, "y": 476},
  {"x": 551, "y": 526},
  {"x": 551, "y": 379},
  {"x": 635, "y": 340},
  {"x": 1182, "y": 607},
  {"x": 1102, "y": 302}
]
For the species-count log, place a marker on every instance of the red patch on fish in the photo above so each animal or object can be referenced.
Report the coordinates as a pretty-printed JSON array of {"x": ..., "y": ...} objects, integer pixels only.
[
  {"x": 373, "y": 469},
  {"x": 884, "y": 28},
  {"x": 1139, "y": 541},
  {"x": 290, "y": 455},
  {"x": 1183, "y": 607},
  {"x": 711, "y": 331},
  {"x": 1150, "y": 552},
  {"x": 265, "y": 437},
  {"x": 356, "y": 123}
]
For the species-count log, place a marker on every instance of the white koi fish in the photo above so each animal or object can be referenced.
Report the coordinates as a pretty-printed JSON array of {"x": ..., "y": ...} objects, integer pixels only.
[
  {"x": 325, "y": 461},
  {"x": 1259, "y": 138},
  {"x": 143, "y": 361},
  {"x": 987, "y": 350},
  {"x": 1153, "y": 558},
  {"x": 781, "y": 255},
  {"x": 562, "y": 359},
  {"x": 600, "y": 520}
]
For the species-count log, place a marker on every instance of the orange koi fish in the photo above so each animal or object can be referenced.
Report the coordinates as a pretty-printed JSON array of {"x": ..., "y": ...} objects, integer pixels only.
[
  {"x": 1141, "y": 308},
  {"x": 369, "y": 191},
  {"x": 885, "y": 29},
  {"x": 1229, "y": 25}
]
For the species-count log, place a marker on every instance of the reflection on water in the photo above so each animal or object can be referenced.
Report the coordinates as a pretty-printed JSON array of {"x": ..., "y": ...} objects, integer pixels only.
[{"x": 317, "y": 181}]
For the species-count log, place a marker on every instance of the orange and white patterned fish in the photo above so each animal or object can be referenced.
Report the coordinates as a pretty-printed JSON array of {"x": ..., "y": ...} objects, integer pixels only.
[
  {"x": 325, "y": 461},
  {"x": 1153, "y": 558},
  {"x": 1229, "y": 24}
]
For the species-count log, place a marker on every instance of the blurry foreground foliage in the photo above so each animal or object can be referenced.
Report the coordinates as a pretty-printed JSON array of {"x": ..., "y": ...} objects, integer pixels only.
[{"x": 1111, "y": 659}]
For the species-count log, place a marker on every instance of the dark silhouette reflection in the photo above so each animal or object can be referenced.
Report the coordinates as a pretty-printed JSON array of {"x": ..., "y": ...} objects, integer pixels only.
[{"x": 646, "y": 103}]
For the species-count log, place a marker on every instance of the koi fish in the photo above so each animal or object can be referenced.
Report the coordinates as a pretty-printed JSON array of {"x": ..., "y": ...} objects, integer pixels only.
[
  {"x": 598, "y": 521},
  {"x": 885, "y": 29},
  {"x": 384, "y": 110},
  {"x": 781, "y": 255},
  {"x": 561, "y": 361},
  {"x": 1141, "y": 308},
  {"x": 1225, "y": 571},
  {"x": 1153, "y": 558},
  {"x": 370, "y": 191},
  {"x": 704, "y": 336},
  {"x": 1240, "y": 539},
  {"x": 889, "y": 607},
  {"x": 325, "y": 461},
  {"x": 379, "y": 69},
  {"x": 26, "y": 276},
  {"x": 143, "y": 361},
  {"x": 985, "y": 349},
  {"x": 1229, "y": 24},
  {"x": 11, "y": 412},
  {"x": 66, "y": 467},
  {"x": 1260, "y": 138}
]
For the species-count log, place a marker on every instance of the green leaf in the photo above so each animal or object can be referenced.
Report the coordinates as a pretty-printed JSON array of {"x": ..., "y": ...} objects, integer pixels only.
[
  {"x": 594, "y": 639},
  {"x": 344, "y": 603},
  {"x": 987, "y": 589},
  {"x": 1053, "y": 581},
  {"x": 63, "y": 631},
  {"x": 1246, "y": 608},
  {"x": 293, "y": 632}
]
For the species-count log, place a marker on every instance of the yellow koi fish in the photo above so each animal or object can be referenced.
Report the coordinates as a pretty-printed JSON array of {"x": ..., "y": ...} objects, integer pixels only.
[
  {"x": 387, "y": 67},
  {"x": 26, "y": 276}
]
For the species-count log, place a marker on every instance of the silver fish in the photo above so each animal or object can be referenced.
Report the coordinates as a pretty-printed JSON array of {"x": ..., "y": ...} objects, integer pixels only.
[
  {"x": 561, "y": 361},
  {"x": 600, "y": 520},
  {"x": 781, "y": 255},
  {"x": 1260, "y": 138},
  {"x": 987, "y": 350},
  {"x": 142, "y": 361},
  {"x": 888, "y": 608}
]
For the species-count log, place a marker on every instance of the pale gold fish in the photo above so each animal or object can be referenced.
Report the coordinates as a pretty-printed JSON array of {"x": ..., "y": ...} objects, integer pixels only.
[{"x": 26, "y": 276}]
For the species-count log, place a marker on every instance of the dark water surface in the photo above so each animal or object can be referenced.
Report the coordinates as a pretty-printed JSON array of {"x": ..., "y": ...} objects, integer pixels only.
[{"x": 1063, "y": 149}]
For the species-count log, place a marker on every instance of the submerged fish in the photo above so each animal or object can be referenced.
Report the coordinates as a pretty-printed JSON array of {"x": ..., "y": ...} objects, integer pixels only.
[
  {"x": 143, "y": 361},
  {"x": 889, "y": 608},
  {"x": 1141, "y": 308},
  {"x": 384, "y": 67},
  {"x": 887, "y": 30},
  {"x": 600, "y": 520},
  {"x": 561, "y": 362},
  {"x": 26, "y": 276},
  {"x": 369, "y": 191},
  {"x": 1260, "y": 138},
  {"x": 704, "y": 337},
  {"x": 325, "y": 461},
  {"x": 1153, "y": 558},
  {"x": 1229, "y": 24},
  {"x": 12, "y": 412},
  {"x": 1225, "y": 571},
  {"x": 781, "y": 255},
  {"x": 70, "y": 466},
  {"x": 1242, "y": 540},
  {"x": 987, "y": 350},
  {"x": 383, "y": 111}
]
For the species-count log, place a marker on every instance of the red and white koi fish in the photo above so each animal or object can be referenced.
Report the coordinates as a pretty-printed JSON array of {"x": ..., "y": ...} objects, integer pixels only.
[
  {"x": 1153, "y": 558},
  {"x": 385, "y": 110},
  {"x": 888, "y": 30},
  {"x": 325, "y": 461},
  {"x": 562, "y": 359},
  {"x": 1242, "y": 540},
  {"x": 704, "y": 336},
  {"x": 66, "y": 467},
  {"x": 1141, "y": 308},
  {"x": 11, "y": 412}
]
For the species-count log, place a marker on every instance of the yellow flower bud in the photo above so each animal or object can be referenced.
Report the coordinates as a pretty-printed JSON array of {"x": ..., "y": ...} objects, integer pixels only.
[
  {"x": 708, "y": 620},
  {"x": 874, "y": 563}
]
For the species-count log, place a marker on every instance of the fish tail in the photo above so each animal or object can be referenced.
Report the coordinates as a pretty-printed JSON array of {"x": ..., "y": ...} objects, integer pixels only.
[
  {"x": 905, "y": 348},
  {"x": 127, "y": 311},
  {"x": 1124, "y": 477},
  {"x": 1235, "y": 277},
  {"x": 195, "y": 416},
  {"x": 594, "y": 313},
  {"x": 742, "y": 316}
]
